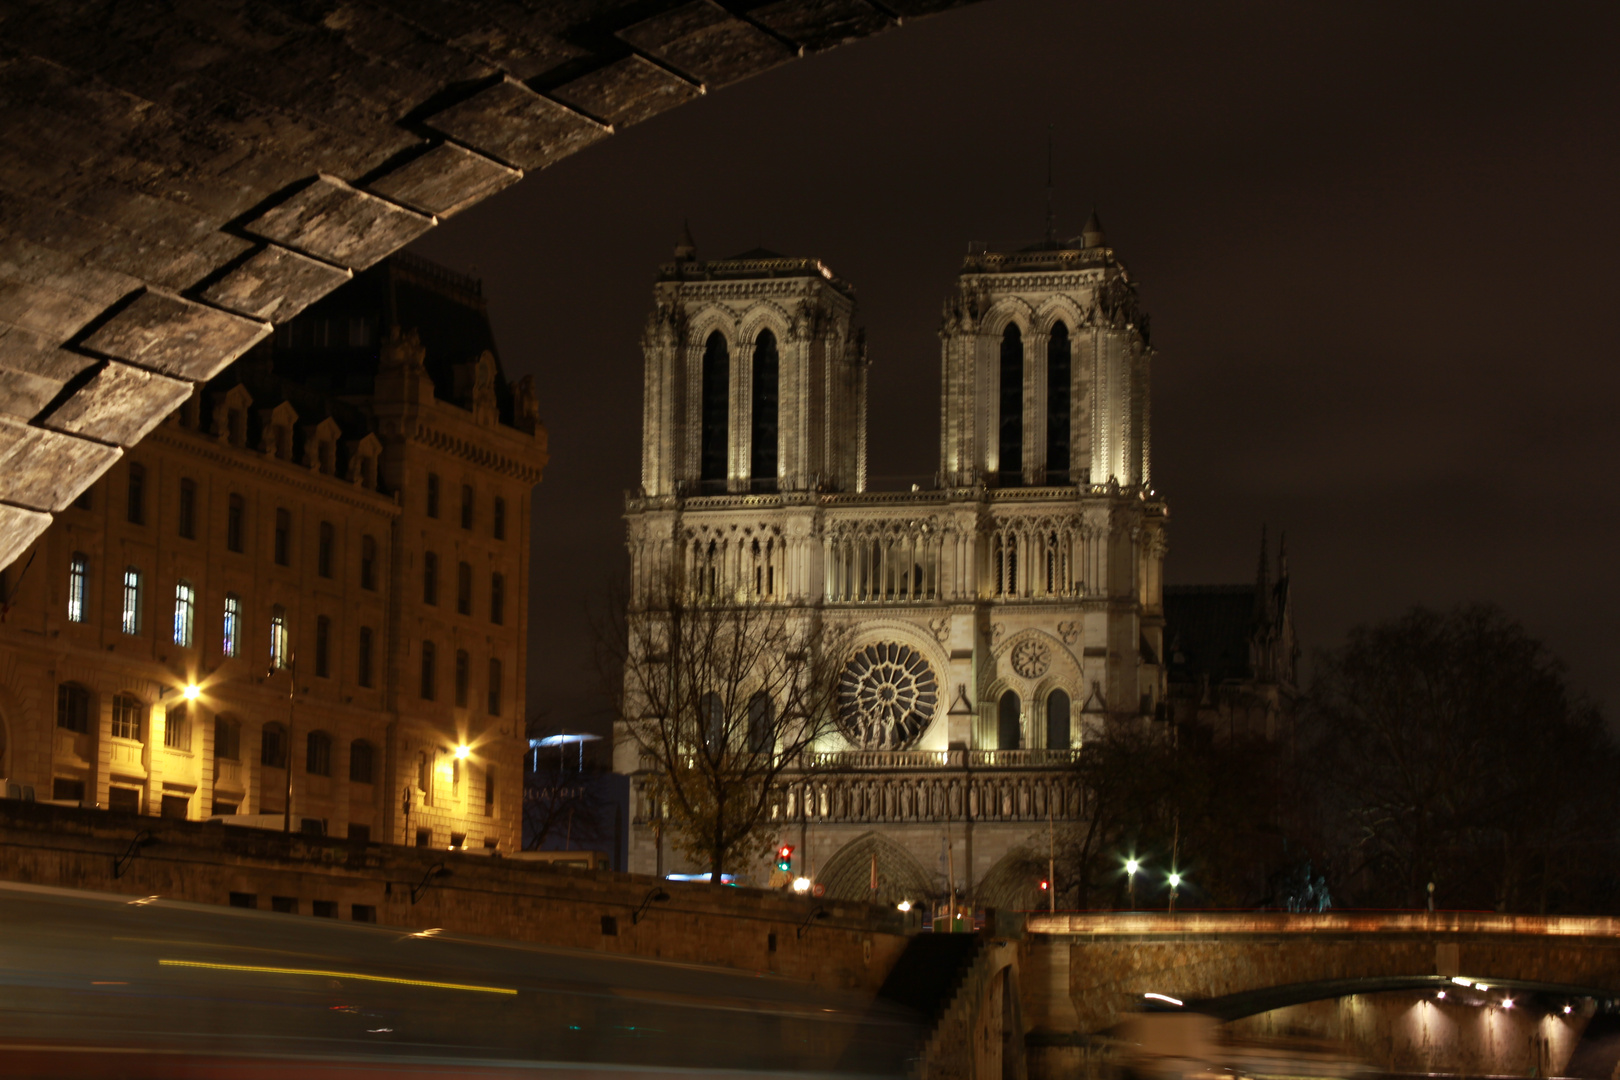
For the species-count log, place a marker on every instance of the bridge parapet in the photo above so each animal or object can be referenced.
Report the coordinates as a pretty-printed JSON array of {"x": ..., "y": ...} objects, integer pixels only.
[{"x": 1193, "y": 923}]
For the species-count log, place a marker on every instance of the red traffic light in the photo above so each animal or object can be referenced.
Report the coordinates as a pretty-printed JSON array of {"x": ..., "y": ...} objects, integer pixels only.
[
  {"x": 785, "y": 851},
  {"x": 1045, "y": 885}
]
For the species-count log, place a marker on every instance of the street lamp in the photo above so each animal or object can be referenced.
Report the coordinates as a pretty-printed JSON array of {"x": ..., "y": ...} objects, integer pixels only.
[
  {"x": 1175, "y": 883},
  {"x": 1131, "y": 867}
]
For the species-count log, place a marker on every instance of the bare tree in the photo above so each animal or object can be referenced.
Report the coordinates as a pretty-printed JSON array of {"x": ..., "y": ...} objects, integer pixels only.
[{"x": 721, "y": 694}]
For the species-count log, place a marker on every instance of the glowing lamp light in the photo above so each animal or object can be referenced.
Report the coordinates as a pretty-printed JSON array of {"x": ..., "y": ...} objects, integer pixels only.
[
  {"x": 463, "y": 752},
  {"x": 905, "y": 905},
  {"x": 1481, "y": 986},
  {"x": 192, "y": 692},
  {"x": 1507, "y": 1003},
  {"x": 1460, "y": 981},
  {"x": 1163, "y": 997},
  {"x": 1568, "y": 1009},
  {"x": 801, "y": 885},
  {"x": 1175, "y": 881},
  {"x": 1132, "y": 866},
  {"x": 1045, "y": 885},
  {"x": 1441, "y": 995}
]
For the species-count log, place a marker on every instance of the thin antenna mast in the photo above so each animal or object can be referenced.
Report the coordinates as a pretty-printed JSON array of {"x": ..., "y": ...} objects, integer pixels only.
[{"x": 1051, "y": 221}]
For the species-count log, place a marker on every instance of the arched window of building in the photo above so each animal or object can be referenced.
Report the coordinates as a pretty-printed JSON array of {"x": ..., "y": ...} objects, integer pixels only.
[
  {"x": 1011, "y": 444},
  {"x": 1008, "y": 727},
  {"x": 78, "y": 607},
  {"x": 497, "y": 598},
  {"x": 494, "y": 687},
  {"x": 318, "y": 754},
  {"x": 463, "y": 677},
  {"x": 283, "y": 545},
  {"x": 185, "y": 614},
  {"x": 712, "y": 715},
  {"x": 177, "y": 726},
  {"x": 323, "y": 552},
  {"x": 235, "y": 513},
  {"x": 137, "y": 495},
  {"x": 360, "y": 762},
  {"x": 134, "y": 590},
  {"x": 364, "y": 672},
  {"x": 323, "y": 646},
  {"x": 761, "y": 724},
  {"x": 766, "y": 379},
  {"x": 429, "y": 663},
  {"x": 230, "y": 639},
  {"x": 280, "y": 638},
  {"x": 716, "y": 413},
  {"x": 73, "y": 708},
  {"x": 368, "y": 562},
  {"x": 464, "y": 589},
  {"x": 1057, "y": 721},
  {"x": 273, "y": 746},
  {"x": 227, "y": 739},
  {"x": 1058, "y": 390},
  {"x": 188, "y": 509},
  {"x": 430, "y": 578},
  {"x": 128, "y": 717}
]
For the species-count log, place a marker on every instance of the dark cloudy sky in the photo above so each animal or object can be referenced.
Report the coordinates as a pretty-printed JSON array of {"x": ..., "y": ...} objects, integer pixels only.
[{"x": 1379, "y": 244}]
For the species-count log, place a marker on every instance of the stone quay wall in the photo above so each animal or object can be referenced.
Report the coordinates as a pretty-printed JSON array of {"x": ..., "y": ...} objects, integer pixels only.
[{"x": 851, "y": 947}]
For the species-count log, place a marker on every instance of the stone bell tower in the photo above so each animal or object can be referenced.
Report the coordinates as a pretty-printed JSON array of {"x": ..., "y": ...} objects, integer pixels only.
[{"x": 755, "y": 378}]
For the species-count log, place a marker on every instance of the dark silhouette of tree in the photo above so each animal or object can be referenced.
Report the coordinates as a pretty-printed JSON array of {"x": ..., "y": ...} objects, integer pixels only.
[
  {"x": 1447, "y": 747},
  {"x": 720, "y": 694}
]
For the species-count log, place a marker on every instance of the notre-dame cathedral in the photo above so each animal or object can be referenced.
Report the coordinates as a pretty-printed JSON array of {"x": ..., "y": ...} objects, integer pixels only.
[{"x": 994, "y": 617}]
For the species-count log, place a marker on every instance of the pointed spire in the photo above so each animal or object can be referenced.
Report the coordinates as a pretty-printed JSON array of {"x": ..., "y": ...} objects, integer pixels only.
[
  {"x": 1092, "y": 235},
  {"x": 1262, "y": 582},
  {"x": 687, "y": 248}
]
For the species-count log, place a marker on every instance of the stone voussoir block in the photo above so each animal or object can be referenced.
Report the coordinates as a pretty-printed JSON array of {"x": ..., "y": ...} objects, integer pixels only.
[
  {"x": 46, "y": 470},
  {"x": 627, "y": 91},
  {"x": 333, "y": 221},
  {"x": 275, "y": 284},
  {"x": 175, "y": 336},
  {"x": 706, "y": 40},
  {"x": 515, "y": 124},
  {"x": 120, "y": 404},
  {"x": 445, "y": 180}
]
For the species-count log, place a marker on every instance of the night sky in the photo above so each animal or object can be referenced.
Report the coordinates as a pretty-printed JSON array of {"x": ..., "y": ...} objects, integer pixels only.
[{"x": 1378, "y": 243}]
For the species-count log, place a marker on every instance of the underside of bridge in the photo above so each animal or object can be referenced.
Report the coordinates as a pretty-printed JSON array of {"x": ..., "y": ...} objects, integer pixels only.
[{"x": 177, "y": 178}]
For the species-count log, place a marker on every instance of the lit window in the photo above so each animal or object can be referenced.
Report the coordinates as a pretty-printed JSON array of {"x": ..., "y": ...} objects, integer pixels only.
[
  {"x": 177, "y": 727},
  {"x": 231, "y": 639},
  {"x": 279, "y": 641},
  {"x": 185, "y": 610},
  {"x": 131, "y": 622},
  {"x": 127, "y": 717},
  {"x": 78, "y": 587}
]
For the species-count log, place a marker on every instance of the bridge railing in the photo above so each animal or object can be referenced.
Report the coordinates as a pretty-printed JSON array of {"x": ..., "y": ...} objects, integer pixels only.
[{"x": 1152, "y": 923}]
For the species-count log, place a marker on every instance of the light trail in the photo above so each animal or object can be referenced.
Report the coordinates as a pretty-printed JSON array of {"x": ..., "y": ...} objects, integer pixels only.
[{"x": 255, "y": 969}]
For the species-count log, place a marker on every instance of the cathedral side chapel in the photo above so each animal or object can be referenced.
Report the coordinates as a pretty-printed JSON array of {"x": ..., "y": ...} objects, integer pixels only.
[{"x": 992, "y": 617}]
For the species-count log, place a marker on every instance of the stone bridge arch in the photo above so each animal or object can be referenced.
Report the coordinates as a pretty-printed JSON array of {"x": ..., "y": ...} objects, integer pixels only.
[
  {"x": 848, "y": 874},
  {"x": 1095, "y": 969},
  {"x": 176, "y": 182}
]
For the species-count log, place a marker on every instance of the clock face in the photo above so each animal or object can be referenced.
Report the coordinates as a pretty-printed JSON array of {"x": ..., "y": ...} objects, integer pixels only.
[{"x": 886, "y": 696}]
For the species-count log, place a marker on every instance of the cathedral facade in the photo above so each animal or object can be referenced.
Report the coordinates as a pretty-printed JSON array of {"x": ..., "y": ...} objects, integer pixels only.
[{"x": 989, "y": 618}]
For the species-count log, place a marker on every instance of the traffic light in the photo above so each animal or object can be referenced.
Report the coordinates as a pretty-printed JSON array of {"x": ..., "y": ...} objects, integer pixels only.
[
  {"x": 1045, "y": 885},
  {"x": 784, "y": 857}
]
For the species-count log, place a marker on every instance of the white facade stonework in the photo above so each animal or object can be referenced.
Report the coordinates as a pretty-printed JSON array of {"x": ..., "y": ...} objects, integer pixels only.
[{"x": 991, "y": 616}]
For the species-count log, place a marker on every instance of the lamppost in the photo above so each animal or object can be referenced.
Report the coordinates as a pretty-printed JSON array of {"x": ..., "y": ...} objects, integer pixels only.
[
  {"x": 1131, "y": 867},
  {"x": 1175, "y": 883}
]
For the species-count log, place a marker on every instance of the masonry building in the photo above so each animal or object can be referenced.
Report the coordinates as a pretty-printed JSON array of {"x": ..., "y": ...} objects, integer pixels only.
[
  {"x": 993, "y": 615},
  {"x": 309, "y": 583}
]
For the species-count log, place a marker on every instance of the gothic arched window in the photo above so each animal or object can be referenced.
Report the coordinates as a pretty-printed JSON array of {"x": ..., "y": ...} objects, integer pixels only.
[
  {"x": 716, "y": 413},
  {"x": 712, "y": 715},
  {"x": 761, "y": 717},
  {"x": 1057, "y": 721},
  {"x": 1012, "y": 407},
  {"x": 1058, "y": 390},
  {"x": 767, "y": 366},
  {"x": 1007, "y": 726}
]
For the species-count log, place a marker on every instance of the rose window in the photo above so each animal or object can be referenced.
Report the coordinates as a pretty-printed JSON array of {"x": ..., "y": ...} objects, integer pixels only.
[
  {"x": 886, "y": 696},
  {"x": 1031, "y": 658}
]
